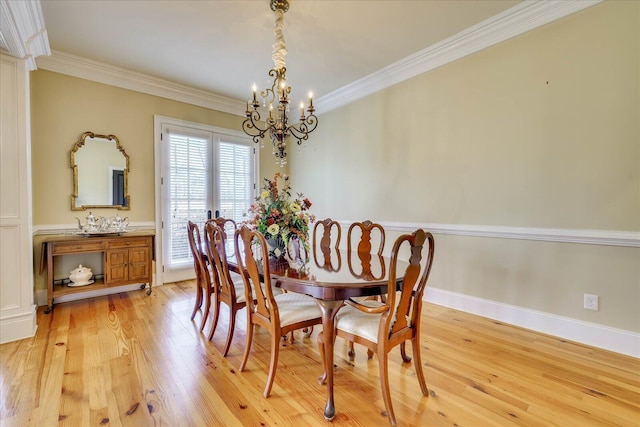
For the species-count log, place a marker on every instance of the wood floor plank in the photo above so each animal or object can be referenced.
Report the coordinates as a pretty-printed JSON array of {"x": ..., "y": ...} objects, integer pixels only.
[{"x": 129, "y": 359}]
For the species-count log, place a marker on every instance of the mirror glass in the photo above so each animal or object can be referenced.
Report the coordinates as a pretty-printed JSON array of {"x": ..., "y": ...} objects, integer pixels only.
[{"x": 100, "y": 173}]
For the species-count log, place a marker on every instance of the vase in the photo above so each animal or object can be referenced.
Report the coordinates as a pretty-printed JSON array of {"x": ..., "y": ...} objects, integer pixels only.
[
  {"x": 293, "y": 254},
  {"x": 296, "y": 254},
  {"x": 276, "y": 248}
]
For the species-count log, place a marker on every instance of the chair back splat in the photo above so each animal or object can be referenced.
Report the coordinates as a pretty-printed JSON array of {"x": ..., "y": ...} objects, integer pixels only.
[
  {"x": 327, "y": 225},
  {"x": 366, "y": 228},
  {"x": 227, "y": 225},
  {"x": 323, "y": 245}
]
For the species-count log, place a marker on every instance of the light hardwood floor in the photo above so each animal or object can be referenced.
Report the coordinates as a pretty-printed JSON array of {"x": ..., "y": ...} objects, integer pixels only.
[{"x": 132, "y": 360}]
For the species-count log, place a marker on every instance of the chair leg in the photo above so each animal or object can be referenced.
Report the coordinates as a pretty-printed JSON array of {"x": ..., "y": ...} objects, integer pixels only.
[
  {"x": 351, "y": 353},
  {"x": 403, "y": 352},
  {"x": 232, "y": 327},
  {"x": 369, "y": 354},
  {"x": 384, "y": 383},
  {"x": 308, "y": 331},
  {"x": 415, "y": 344},
  {"x": 247, "y": 345},
  {"x": 322, "y": 379},
  {"x": 275, "y": 350},
  {"x": 205, "y": 313},
  {"x": 198, "y": 302},
  {"x": 216, "y": 315}
]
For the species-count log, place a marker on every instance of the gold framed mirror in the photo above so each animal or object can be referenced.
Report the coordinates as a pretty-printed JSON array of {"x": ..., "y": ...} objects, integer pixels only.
[{"x": 100, "y": 173}]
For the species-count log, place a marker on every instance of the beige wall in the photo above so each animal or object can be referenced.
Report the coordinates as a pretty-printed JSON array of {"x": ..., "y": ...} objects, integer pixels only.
[
  {"x": 63, "y": 107},
  {"x": 541, "y": 131}
]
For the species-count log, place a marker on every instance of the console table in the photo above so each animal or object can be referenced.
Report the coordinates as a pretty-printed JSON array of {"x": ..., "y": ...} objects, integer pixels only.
[{"x": 127, "y": 260}]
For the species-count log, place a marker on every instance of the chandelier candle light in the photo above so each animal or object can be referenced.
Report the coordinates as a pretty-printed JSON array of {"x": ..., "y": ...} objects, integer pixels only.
[{"x": 277, "y": 124}]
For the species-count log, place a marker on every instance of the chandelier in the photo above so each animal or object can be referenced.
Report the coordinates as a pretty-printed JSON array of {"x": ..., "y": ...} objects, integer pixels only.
[{"x": 275, "y": 100}]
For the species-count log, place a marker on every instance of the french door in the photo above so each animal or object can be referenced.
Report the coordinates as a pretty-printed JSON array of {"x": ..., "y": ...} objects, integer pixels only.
[{"x": 206, "y": 172}]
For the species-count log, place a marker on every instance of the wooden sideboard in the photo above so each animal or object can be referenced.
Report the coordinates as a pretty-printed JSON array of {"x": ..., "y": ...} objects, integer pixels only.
[{"x": 127, "y": 259}]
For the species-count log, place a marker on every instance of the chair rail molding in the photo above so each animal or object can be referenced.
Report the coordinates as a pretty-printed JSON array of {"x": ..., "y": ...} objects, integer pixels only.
[
  {"x": 592, "y": 237},
  {"x": 45, "y": 229}
]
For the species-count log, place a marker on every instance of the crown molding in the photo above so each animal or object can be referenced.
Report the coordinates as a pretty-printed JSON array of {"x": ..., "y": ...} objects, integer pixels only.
[
  {"x": 562, "y": 235},
  {"x": 23, "y": 34},
  {"x": 513, "y": 22},
  {"x": 76, "y": 66}
]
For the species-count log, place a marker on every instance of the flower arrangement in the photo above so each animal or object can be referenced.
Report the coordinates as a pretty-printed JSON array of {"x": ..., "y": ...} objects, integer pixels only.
[{"x": 279, "y": 218}]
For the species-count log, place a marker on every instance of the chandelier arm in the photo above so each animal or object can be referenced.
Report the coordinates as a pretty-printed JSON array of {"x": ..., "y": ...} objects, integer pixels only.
[
  {"x": 301, "y": 130},
  {"x": 251, "y": 127}
]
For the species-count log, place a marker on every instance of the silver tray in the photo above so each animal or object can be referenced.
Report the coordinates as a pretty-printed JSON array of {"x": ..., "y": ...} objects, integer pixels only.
[{"x": 99, "y": 233}]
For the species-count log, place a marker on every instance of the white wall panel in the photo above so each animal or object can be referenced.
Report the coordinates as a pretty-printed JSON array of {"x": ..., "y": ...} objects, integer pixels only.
[
  {"x": 9, "y": 273},
  {"x": 17, "y": 310},
  {"x": 9, "y": 168}
]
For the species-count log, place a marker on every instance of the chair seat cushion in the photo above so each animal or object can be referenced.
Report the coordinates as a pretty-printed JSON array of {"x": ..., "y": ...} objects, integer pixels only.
[
  {"x": 238, "y": 283},
  {"x": 356, "y": 322},
  {"x": 294, "y": 308}
]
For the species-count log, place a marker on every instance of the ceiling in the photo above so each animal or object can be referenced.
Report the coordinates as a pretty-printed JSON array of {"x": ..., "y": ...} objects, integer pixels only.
[{"x": 223, "y": 47}]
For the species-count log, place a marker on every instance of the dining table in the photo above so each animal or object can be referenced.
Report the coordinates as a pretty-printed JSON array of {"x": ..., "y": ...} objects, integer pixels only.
[{"x": 332, "y": 276}]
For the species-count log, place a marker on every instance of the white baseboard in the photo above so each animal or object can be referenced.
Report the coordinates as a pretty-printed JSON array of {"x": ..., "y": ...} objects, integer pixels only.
[
  {"x": 41, "y": 294},
  {"x": 613, "y": 339},
  {"x": 19, "y": 326}
]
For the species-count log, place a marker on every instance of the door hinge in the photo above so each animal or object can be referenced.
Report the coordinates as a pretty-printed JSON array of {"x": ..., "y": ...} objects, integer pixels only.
[
  {"x": 162, "y": 225},
  {"x": 163, "y": 268},
  {"x": 161, "y": 181},
  {"x": 161, "y": 136}
]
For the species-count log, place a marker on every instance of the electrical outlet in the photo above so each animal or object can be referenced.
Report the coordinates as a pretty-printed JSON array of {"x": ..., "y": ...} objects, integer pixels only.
[{"x": 591, "y": 302}]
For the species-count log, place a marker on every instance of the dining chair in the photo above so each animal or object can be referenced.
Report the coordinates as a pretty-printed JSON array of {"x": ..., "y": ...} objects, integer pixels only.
[
  {"x": 228, "y": 289},
  {"x": 381, "y": 328},
  {"x": 323, "y": 245},
  {"x": 366, "y": 230},
  {"x": 204, "y": 288},
  {"x": 278, "y": 314},
  {"x": 227, "y": 225}
]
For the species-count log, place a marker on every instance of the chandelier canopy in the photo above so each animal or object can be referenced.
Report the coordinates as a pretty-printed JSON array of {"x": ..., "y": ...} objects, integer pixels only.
[{"x": 275, "y": 100}]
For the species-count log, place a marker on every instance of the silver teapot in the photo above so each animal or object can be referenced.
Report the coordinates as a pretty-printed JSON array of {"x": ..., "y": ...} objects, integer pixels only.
[{"x": 118, "y": 224}]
